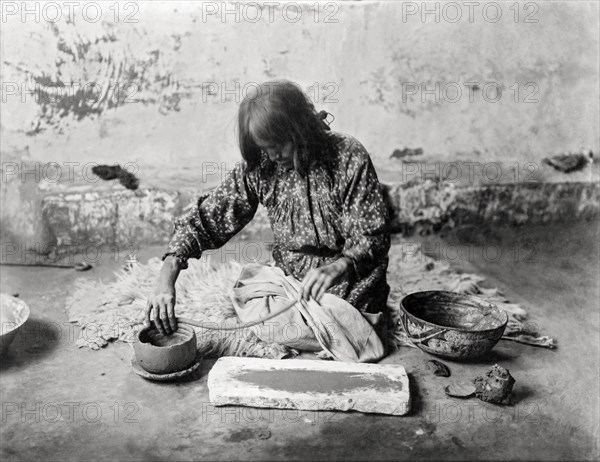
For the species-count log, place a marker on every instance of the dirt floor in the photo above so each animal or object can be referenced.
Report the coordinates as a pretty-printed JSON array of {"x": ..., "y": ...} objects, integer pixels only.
[{"x": 64, "y": 403}]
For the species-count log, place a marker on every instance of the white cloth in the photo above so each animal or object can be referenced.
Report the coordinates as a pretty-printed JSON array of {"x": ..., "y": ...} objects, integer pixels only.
[{"x": 332, "y": 324}]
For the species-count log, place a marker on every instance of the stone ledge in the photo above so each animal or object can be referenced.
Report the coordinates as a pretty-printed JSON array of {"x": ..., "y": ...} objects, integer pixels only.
[
  {"x": 429, "y": 206},
  {"x": 146, "y": 216}
]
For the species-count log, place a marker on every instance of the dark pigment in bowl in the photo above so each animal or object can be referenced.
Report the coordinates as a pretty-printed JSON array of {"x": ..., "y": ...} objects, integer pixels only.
[
  {"x": 454, "y": 311},
  {"x": 154, "y": 337}
]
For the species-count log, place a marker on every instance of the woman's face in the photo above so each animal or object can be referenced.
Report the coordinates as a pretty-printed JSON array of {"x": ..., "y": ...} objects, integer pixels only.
[{"x": 283, "y": 154}]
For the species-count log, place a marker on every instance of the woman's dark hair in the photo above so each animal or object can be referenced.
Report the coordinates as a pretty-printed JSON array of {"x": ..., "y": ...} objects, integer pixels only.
[{"x": 279, "y": 112}]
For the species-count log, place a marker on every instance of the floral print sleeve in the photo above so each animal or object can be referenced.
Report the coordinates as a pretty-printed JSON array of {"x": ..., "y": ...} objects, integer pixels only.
[
  {"x": 215, "y": 218},
  {"x": 364, "y": 214}
]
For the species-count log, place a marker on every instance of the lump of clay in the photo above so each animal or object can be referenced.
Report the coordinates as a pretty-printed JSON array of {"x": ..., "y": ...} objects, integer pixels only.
[
  {"x": 495, "y": 386},
  {"x": 460, "y": 390},
  {"x": 438, "y": 368}
]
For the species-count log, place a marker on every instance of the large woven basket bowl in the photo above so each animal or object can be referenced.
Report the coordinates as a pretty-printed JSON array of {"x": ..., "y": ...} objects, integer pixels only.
[
  {"x": 13, "y": 314},
  {"x": 452, "y": 325}
]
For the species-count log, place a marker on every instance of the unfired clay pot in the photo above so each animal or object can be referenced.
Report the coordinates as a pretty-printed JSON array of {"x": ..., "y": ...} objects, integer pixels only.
[{"x": 165, "y": 354}]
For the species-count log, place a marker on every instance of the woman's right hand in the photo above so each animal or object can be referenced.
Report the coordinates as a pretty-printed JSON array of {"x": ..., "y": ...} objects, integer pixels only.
[
  {"x": 161, "y": 303},
  {"x": 161, "y": 308}
]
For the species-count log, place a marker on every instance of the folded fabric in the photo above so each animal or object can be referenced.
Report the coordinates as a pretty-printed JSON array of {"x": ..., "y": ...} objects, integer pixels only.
[{"x": 332, "y": 324}]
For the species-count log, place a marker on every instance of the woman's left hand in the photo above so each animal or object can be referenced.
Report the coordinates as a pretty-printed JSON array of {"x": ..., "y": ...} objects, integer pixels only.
[{"x": 318, "y": 280}]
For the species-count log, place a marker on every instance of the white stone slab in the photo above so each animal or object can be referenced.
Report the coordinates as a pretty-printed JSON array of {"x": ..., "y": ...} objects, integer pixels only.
[{"x": 309, "y": 385}]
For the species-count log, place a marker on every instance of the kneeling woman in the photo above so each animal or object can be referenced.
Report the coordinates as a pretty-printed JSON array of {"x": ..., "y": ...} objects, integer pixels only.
[{"x": 323, "y": 200}]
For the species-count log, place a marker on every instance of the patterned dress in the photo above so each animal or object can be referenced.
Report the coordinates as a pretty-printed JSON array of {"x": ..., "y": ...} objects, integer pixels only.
[{"x": 336, "y": 210}]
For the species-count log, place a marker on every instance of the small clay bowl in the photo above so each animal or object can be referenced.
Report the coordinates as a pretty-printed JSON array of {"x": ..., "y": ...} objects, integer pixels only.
[
  {"x": 13, "y": 314},
  {"x": 452, "y": 325},
  {"x": 164, "y": 354}
]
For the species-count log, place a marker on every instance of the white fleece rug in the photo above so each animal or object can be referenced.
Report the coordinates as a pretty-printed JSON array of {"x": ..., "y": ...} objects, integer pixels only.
[{"x": 108, "y": 312}]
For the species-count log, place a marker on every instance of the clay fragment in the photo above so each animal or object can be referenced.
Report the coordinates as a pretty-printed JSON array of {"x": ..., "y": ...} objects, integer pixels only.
[
  {"x": 264, "y": 434},
  {"x": 113, "y": 172},
  {"x": 570, "y": 162},
  {"x": 438, "y": 368},
  {"x": 406, "y": 152},
  {"x": 495, "y": 386},
  {"x": 460, "y": 390}
]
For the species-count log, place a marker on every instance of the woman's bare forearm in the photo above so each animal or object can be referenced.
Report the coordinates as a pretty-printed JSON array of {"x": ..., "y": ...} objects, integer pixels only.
[
  {"x": 161, "y": 302},
  {"x": 169, "y": 271}
]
